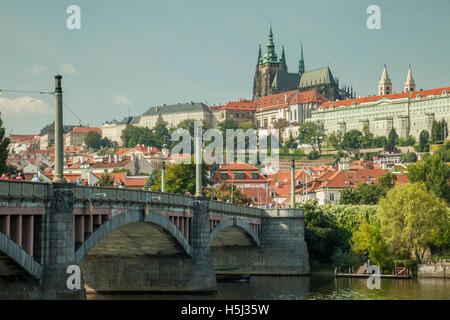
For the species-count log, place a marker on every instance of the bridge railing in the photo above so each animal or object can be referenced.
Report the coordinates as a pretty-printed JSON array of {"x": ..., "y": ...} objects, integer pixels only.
[
  {"x": 10, "y": 189},
  {"x": 41, "y": 191}
]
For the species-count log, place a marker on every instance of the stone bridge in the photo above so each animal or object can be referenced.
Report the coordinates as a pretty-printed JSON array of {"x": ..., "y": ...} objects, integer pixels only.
[{"x": 130, "y": 240}]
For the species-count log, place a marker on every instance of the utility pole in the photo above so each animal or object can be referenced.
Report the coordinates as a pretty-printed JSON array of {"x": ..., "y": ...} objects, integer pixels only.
[{"x": 58, "y": 174}]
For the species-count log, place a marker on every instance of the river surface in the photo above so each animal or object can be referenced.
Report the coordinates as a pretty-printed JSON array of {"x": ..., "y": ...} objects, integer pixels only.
[{"x": 318, "y": 286}]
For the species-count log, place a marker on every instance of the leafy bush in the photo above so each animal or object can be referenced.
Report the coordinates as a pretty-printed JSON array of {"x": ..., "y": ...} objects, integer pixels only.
[{"x": 313, "y": 155}]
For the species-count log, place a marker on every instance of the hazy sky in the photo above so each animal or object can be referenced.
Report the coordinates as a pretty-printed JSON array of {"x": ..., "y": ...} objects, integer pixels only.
[{"x": 130, "y": 55}]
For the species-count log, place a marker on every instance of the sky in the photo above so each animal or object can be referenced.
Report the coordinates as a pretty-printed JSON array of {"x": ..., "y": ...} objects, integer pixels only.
[{"x": 131, "y": 55}]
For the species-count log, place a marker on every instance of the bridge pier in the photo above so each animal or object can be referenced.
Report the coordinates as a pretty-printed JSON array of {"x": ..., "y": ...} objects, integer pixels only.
[
  {"x": 282, "y": 249},
  {"x": 57, "y": 241},
  {"x": 203, "y": 275}
]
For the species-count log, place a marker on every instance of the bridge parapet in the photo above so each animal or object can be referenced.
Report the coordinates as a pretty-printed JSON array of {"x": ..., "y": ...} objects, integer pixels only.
[{"x": 22, "y": 190}]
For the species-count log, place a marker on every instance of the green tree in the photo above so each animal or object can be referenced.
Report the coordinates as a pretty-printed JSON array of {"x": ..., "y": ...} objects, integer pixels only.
[
  {"x": 335, "y": 139},
  {"x": 367, "y": 239},
  {"x": 369, "y": 194},
  {"x": 323, "y": 235},
  {"x": 312, "y": 133},
  {"x": 227, "y": 124},
  {"x": 247, "y": 125},
  {"x": 106, "y": 180},
  {"x": 366, "y": 140},
  {"x": 151, "y": 180},
  {"x": 223, "y": 192},
  {"x": 4, "y": 143},
  {"x": 351, "y": 140},
  {"x": 349, "y": 196},
  {"x": 412, "y": 219},
  {"x": 160, "y": 133},
  {"x": 290, "y": 143},
  {"x": 443, "y": 152},
  {"x": 392, "y": 137},
  {"x": 424, "y": 140},
  {"x": 434, "y": 173},
  {"x": 379, "y": 142},
  {"x": 387, "y": 181},
  {"x": 93, "y": 140},
  {"x": 409, "y": 157},
  {"x": 132, "y": 136},
  {"x": 180, "y": 178}
]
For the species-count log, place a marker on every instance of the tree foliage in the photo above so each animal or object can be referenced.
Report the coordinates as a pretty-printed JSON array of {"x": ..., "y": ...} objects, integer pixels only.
[
  {"x": 93, "y": 140},
  {"x": 412, "y": 219},
  {"x": 351, "y": 140},
  {"x": 312, "y": 133},
  {"x": 223, "y": 192},
  {"x": 434, "y": 173},
  {"x": 180, "y": 178},
  {"x": 424, "y": 140}
]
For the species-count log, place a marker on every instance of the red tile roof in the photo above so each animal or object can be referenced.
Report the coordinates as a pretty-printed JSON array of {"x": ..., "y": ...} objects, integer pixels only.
[
  {"x": 285, "y": 99},
  {"x": 86, "y": 130},
  {"x": 401, "y": 95},
  {"x": 240, "y": 105}
]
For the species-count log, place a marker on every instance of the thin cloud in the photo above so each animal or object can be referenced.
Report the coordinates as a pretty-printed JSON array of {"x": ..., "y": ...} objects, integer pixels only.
[
  {"x": 23, "y": 106},
  {"x": 67, "y": 68},
  {"x": 122, "y": 100},
  {"x": 38, "y": 68}
]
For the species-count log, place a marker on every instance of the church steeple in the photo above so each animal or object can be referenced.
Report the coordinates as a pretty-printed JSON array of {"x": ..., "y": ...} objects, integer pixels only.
[
  {"x": 283, "y": 58},
  {"x": 270, "y": 55},
  {"x": 385, "y": 84},
  {"x": 259, "y": 55},
  {"x": 410, "y": 85},
  {"x": 301, "y": 63}
]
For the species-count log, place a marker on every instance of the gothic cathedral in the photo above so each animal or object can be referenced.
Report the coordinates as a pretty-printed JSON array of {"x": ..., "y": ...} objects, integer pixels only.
[{"x": 272, "y": 77}]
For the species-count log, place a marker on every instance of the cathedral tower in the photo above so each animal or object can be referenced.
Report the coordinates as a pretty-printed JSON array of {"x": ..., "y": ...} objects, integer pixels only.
[
  {"x": 385, "y": 84},
  {"x": 410, "y": 85},
  {"x": 266, "y": 69}
]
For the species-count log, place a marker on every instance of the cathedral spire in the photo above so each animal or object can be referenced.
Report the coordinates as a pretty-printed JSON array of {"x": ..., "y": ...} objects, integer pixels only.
[
  {"x": 283, "y": 58},
  {"x": 301, "y": 63},
  {"x": 410, "y": 85},
  {"x": 270, "y": 55},
  {"x": 385, "y": 84},
  {"x": 259, "y": 55}
]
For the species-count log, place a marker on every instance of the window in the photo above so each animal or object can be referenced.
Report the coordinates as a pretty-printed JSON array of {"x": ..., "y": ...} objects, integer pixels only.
[
  {"x": 224, "y": 176},
  {"x": 239, "y": 175},
  {"x": 254, "y": 175},
  {"x": 331, "y": 196}
]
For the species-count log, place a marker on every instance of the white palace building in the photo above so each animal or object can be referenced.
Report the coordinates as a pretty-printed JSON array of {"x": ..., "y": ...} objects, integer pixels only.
[{"x": 409, "y": 112}]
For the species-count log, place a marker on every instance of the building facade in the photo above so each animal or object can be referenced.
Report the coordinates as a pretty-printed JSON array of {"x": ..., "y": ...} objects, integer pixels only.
[
  {"x": 77, "y": 135},
  {"x": 408, "y": 112}
]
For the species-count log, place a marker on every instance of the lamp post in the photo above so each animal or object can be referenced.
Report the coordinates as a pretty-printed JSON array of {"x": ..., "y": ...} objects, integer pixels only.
[
  {"x": 293, "y": 183},
  {"x": 198, "y": 161},
  {"x": 163, "y": 177},
  {"x": 59, "y": 152}
]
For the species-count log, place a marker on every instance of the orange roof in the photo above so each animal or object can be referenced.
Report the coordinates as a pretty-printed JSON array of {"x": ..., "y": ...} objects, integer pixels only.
[
  {"x": 275, "y": 99},
  {"x": 237, "y": 166},
  {"x": 401, "y": 95},
  {"x": 240, "y": 105},
  {"x": 86, "y": 130},
  {"x": 285, "y": 99}
]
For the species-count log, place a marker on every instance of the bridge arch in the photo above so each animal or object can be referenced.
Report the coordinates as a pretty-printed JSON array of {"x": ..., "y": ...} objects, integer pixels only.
[
  {"x": 127, "y": 218},
  {"x": 234, "y": 222},
  {"x": 19, "y": 256}
]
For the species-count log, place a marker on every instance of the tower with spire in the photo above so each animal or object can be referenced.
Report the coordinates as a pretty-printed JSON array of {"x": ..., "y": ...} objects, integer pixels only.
[
  {"x": 301, "y": 62},
  {"x": 267, "y": 67},
  {"x": 410, "y": 85},
  {"x": 385, "y": 84}
]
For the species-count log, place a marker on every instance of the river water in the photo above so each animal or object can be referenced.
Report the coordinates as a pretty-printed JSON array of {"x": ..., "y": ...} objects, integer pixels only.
[{"x": 317, "y": 286}]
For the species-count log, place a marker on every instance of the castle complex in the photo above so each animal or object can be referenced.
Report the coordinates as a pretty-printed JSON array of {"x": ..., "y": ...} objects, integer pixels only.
[
  {"x": 272, "y": 77},
  {"x": 408, "y": 112}
]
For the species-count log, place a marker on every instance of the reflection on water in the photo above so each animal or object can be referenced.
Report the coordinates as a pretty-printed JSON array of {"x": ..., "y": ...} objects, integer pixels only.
[{"x": 316, "y": 286}]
